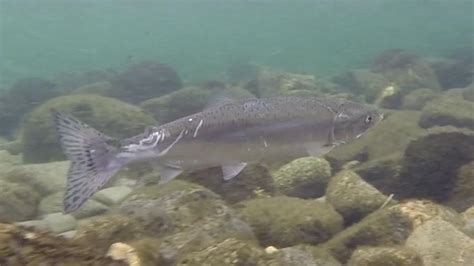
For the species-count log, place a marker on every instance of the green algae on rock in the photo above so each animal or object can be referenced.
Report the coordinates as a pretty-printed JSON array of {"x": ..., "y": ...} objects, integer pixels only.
[
  {"x": 417, "y": 99},
  {"x": 449, "y": 109},
  {"x": 20, "y": 246},
  {"x": 284, "y": 221},
  {"x": 462, "y": 195},
  {"x": 431, "y": 162},
  {"x": 352, "y": 197},
  {"x": 383, "y": 256},
  {"x": 18, "y": 202},
  {"x": 254, "y": 181},
  {"x": 304, "y": 177},
  {"x": 108, "y": 115}
]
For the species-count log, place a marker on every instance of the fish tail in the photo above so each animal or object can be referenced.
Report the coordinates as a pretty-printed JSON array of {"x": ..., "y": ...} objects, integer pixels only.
[{"x": 93, "y": 160}]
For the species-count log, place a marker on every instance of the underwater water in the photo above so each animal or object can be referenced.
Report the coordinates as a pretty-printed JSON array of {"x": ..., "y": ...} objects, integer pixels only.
[{"x": 241, "y": 132}]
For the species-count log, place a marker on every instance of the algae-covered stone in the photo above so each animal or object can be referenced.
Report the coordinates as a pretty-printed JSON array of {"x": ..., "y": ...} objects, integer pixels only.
[
  {"x": 304, "y": 177},
  {"x": 462, "y": 195},
  {"x": 105, "y": 230},
  {"x": 431, "y": 161},
  {"x": 352, "y": 197},
  {"x": 365, "y": 82},
  {"x": 468, "y": 93},
  {"x": 448, "y": 110},
  {"x": 388, "y": 226},
  {"x": 18, "y": 202},
  {"x": 185, "y": 216},
  {"x": 112, "y": 195},
  {"x": 417, "y": 99},
  {"x": 254, "y": 181},
  {"x": 59, "y": 222},
  {"x": 439, "y": 243},
  {"x": 383, "y": 256},
  {"x": 270, "y": 83},
  {"x": 102, "y": 88},
  {"x": 306, "y": 255},
  {"x": 45, "y": 178},
  {"x": 382, "y": 173},
  {"x": 20, "y": 246},
  {"x": 284, "y": 221},
  {"x": 113, "y": 117},
  {"x": 390, "y": 136}
]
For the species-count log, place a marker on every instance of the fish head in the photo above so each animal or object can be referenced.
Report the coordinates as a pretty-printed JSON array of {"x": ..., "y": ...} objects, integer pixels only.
[{"x": 353, "y": 120}]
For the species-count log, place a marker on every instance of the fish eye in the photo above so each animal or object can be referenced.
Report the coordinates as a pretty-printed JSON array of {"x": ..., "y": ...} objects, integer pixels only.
[{"x": 368, "y": 119}]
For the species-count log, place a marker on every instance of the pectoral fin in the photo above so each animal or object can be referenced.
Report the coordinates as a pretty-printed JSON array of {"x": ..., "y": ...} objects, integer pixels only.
[
  {"x": 229, "y": 171},
  {"x": 168, "y": 173}
]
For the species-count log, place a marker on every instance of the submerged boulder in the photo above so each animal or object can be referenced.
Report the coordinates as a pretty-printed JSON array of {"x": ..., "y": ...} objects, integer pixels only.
[
  {"x": 379, "y": 256},
  {"x": 110, "y": 116},
  {"x": 18, "y": 202},
  {"x": 431, "y": 162},
  {"x": 462, "y": 195},
  {"x": 304, "y": 177},
  {"x": 364, "y": 82},
  {"x": 144, "y": 81},
  {"x": 448, "y": 110},
  {"x": 284, "y": 221},
  {"x": 418, "y": 98},
  {"x": 352, "y": 197},
  {"x": 271, "y": 83}
]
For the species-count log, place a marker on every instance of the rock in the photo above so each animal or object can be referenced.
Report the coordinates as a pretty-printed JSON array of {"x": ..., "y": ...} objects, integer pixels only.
[
  {"x": 14, "y": 147},
  {"x": 7, "y": 158},
  {"x": 112, "y": 195},
  {"x": 36, "y": 224},
  {"x": 417, "y": 99},
  {"x": 107, "y": 229},
  {"x": 19, "y": 245},
  {"x": 54, "y": 203},
  {"x": 186, "y": 217},
  {"x": 284, "y": 221},
  {"x": 440, "y": 243},
  {"x": 405, "y": 70},
  {"x": 468, "y": 93},
  {"x": 456, "y": 71},
  {"x": 448, "y": 110},
  {"x": 431, "y": 161},
  {"x": 352, "y": 197},
  {"x": 390, "y": 136},
  {"x": 188, "y": 101},
  {"x": 69, "y": 234},
  {"x": 144, "y": 81},
  {"x": 18, "y": 202},
  {"x": 387, "y": 227},
  {"x": 70, "y": 81},
  {"x": 364, "y": 82},
  {"x": 102, "y": 88},
  {"x": 462, "y": 195},
  {"x": 253, "y": 182},
  {"x": 382, "y": 173},
  {"x": 21, "y": 98},
  {"x": 270, "y": 83},
  {"x": 306, "y": 255},
  {"x": 468, "y": 216},
  {"x": 110, "y": 116},
  {"x": 304, "y": 177},
  {"x": 59, "y": 222},
  {"x": 141, "y": 252},
  {"x": 373, "y": 256},
  {"x": 45, "y": 178}
]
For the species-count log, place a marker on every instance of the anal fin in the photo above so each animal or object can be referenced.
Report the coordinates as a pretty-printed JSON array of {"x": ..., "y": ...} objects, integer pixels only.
[{"x": 230, "y": 171}]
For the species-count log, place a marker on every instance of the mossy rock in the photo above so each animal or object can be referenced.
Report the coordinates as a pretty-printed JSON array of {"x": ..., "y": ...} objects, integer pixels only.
[
  {"x": 188, "y": 101},
  {"x": 417, "y": 99},
  {"x": 352, "y": 197},
  {"x": 448, "y": 110},
  {"x": 304, "y": 177},
  {"x": 105, "y": 230},
  {"x": 383, "y": 256},
  {"x": 254, "y": 181},
  {"x": 387, "y": 227},
  {"x": 270, "y": 83},
  {"x": 20, "y": 246},
  {"x": 102, "y": 88},
  {"x": 110, "y": 116},
  {"x": 284, "y": 221},
  {"x": 431, "y": 162},
  {"x": 390, "y": 136},
  {"x": 364, "y": 82},
  {"x": 462, "y": 195},
  {"x": 18, "y": 202},
  {"x": 440, "y": 243},
  {"x": 468, "y": 93}
]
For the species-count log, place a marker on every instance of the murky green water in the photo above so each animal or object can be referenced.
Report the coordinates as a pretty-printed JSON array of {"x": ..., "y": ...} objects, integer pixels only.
[{"x": 201, "y": 38}]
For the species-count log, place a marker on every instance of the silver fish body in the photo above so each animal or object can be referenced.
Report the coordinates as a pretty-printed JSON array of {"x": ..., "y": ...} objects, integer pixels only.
[{"x": 229, "y": 135}]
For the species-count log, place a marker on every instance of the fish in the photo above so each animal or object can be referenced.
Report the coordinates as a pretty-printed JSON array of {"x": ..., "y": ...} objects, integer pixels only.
[{"x": 230, "y": 135}]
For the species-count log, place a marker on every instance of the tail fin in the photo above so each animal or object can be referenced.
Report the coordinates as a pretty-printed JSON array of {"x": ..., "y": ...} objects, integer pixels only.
[{"x": 93, "y": 161}]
